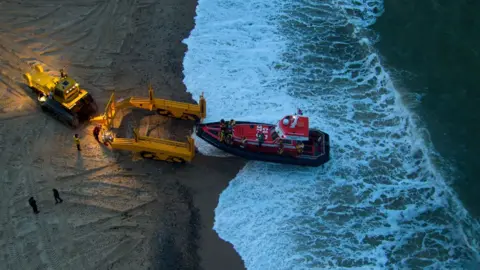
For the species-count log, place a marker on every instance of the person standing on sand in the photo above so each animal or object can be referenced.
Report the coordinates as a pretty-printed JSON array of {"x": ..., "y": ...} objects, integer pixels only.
[
  {"x": 56, "y": 195},
  {"x": 63, "y": 74},
  {"x": 96, "y": 132},
  {"x": 33, "y": 204},
  {"x": 77, "y": 142}
]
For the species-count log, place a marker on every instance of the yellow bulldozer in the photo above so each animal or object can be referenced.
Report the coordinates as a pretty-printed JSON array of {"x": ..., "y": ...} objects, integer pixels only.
[{"x": 61, "y": 96}]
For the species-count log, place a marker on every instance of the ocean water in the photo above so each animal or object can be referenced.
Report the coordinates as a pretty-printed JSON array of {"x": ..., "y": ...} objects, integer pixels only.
[
  {"x": 437, "y": 43},
  {"x": 383, "y": 201}
]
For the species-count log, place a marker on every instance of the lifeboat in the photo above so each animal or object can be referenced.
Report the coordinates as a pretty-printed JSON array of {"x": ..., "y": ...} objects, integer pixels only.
[{"x": 291, "y": 141}]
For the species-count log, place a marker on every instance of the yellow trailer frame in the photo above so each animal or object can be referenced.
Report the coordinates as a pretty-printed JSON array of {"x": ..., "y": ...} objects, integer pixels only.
[{"x": 149, "y": 147}]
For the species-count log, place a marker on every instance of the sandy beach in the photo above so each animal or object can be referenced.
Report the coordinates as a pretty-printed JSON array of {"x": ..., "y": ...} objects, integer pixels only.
[{"x": 118, "y": 212}]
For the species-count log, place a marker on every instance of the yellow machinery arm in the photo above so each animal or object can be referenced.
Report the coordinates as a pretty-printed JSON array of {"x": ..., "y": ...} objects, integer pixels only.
[
  {"x": 155, "y": 148},
  {"x": 148, "y": 147},
  {"x": 164, "y": 107},
  {"x": 106, "y": 119}
]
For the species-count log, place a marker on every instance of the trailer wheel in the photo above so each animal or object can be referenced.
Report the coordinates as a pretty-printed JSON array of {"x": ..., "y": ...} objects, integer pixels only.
[
  {"x": 187, "y": 116},
  {"x": 162, "y": 112},
  {"x": 147, "y": 155},
  {"x": 178, "y": 160}
]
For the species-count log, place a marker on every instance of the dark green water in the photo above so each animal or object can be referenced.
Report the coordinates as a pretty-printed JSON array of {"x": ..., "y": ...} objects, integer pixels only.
[{"x": 438, "y": 41}]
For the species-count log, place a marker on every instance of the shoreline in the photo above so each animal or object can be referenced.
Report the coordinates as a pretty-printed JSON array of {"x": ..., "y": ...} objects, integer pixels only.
[{"x": 117, "y": 213}]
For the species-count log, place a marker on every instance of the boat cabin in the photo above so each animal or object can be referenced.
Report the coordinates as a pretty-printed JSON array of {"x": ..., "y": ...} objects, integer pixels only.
[
  {"x": 293, "y": 127},
  {"x": 291, "y": 131}
]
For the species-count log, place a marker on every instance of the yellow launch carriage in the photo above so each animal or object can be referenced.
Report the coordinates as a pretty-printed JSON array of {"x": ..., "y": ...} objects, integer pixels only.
[{"x": 149, "y": 147}]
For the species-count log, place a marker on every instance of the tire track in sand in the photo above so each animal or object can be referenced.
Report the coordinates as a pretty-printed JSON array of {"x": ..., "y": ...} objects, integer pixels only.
[
  {"x": 26, "y": 175},
  {"x": 100, "y": 31},
  {"x": 32, "y": 142},
  {"x": 12, "y": 188},
  {"x": 43, "y": 139},
  {"x": 108, "y": 36},
  {"x": 12, "y": 256}
]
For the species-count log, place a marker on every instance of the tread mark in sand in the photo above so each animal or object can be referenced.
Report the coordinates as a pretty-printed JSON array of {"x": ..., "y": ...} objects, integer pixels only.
[
  {"x": 44, "y": 235},
  {"x": 14, "y": 258}
]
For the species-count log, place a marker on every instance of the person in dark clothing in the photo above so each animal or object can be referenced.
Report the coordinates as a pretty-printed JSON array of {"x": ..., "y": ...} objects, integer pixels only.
[
  {"x": 229, "y": 138},
  {"x": 56, "y": 195},
  {"x": 33, "y": 204},
  {"x": 63, "y": 74},
  {"x": 223, "y": 130},
  {"x": 96, "y": 132},
  {"x": 281, "y": 147},
  {"x": 260, "y": 138},
  {"x": 223, "y": 126},
  {"x": 230, "y": 126}
]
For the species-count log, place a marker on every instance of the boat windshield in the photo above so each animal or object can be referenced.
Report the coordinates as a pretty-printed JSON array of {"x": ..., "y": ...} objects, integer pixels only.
[
  {"x": 279, "y": 132},
  {"x": 274, "y": 135}
]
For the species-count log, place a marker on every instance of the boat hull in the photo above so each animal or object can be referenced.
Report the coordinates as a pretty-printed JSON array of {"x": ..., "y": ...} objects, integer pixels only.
[{"x": 303, "y": 160}]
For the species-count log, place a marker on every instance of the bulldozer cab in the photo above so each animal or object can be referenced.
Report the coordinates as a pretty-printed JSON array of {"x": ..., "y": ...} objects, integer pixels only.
[{"x": 66, "y": 90}]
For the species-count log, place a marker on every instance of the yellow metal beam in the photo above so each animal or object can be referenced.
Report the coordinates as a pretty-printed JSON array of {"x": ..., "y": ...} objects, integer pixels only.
[
  {"x": 169, "y": 108},
  {"x": 107, "y": 118},
  {"x": 181, "y": 110}
]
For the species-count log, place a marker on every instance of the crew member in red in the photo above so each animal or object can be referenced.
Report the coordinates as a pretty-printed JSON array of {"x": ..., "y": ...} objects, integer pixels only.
[{"x": 96, "y": 132}]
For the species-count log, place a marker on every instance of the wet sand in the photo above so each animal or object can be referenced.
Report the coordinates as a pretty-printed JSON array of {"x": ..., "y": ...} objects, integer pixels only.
[{"x": 118, "y": 212}]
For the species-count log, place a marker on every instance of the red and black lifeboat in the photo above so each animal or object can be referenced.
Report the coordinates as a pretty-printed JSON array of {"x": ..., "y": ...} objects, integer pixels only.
[{"x": 291, "y": 141}]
